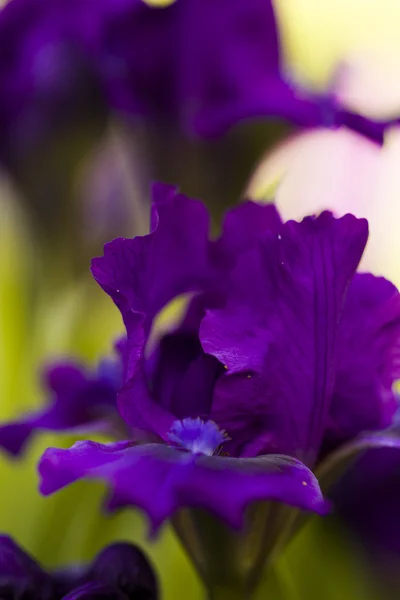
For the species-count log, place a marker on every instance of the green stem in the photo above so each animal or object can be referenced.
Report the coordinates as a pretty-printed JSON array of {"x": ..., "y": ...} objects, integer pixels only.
[
  {"x": 229, "y": 593},
  {"x": 285, "y": 580}
]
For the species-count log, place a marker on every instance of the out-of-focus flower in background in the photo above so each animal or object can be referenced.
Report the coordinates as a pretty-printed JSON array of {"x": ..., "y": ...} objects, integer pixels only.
[
  {"x": 80, "y": 401},
  {"x": 367, "y": 501},
  {"x": 51, "y": 110},
  {"x": 120, "y": 572},
  {"x": 188, "y": 69}
]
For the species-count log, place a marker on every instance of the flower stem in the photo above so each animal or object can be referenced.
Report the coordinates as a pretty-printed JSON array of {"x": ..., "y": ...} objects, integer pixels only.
[
  {"x": 229, "y": 593},
  {"x": 285, "y": 580}
]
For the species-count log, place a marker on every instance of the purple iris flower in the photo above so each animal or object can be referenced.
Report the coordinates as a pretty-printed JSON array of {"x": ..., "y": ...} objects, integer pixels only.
[
  {"x": 47, "y": 77},
  {"x": 80, "y": 400},
  {"x": 283, "y": 357},
  {"x": 119, "y": 572},
  {"x": 197, "y": 89},
  {"x": 201, "y": 64}
]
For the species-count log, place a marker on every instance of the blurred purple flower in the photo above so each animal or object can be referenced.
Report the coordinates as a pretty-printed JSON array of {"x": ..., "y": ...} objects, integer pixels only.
[
  {"x": 198, "y": 88},
  {"x": 285, "y": 355},
  {"x": 80, "y": 400},
  {"x": 46, "y": 73},
  {"x": 374, "y": 524},
  {"x": 120, "y": 571},
  {"x": 207, "y": 65},
  {"x": 201, "y": 64}
]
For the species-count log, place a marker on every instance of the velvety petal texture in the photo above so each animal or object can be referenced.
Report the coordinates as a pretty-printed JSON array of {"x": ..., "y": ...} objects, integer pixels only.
[
  {"x": 242, "y": 228},
  {"x": 268, "y": 360},
  {"x": 120, "y": 571},
  {"x": 143, "y": 274},
  {"x": 137, "y": 274},
  {"x": 277, "y": 335},
  {"x": 78, "y": 399},
  {"x": 161, "y": 480}
]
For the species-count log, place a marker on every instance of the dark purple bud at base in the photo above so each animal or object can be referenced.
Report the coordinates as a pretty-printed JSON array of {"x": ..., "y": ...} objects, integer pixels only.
[{"x": 119, "y": 572}]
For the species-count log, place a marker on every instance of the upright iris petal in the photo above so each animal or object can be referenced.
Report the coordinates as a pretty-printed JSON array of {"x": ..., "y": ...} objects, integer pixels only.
[
  {"x": 363, "y": 397},
  {"x": 259, "y": 354},
  {"x": 277, "y": 336},
  {"x": 133, "y": 271}
]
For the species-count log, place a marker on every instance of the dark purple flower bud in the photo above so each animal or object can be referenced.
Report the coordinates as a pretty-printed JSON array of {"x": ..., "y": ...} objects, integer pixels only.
[
  {"x": 367, "y": 501},
  {"x": 20, "y": 575},
  {"x": 125, "y": 567},
  {"x": 367, "y": 509},
  {"x": 121, "y": 571}
]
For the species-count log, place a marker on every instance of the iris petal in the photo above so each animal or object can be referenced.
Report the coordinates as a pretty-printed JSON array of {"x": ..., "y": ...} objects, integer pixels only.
[
  {"x": 162, "y": 480},
  {"x": 369, "y": 353},
  {"x": 277, "y": 335},
  {"x": 79, "y": 400}
]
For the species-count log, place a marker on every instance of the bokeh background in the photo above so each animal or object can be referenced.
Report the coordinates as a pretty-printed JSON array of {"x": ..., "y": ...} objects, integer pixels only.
[{"x": 49, "y": 305}]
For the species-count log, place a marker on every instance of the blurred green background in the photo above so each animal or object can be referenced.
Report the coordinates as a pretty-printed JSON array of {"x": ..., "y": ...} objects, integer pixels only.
[{"x": 47, "y": 310}]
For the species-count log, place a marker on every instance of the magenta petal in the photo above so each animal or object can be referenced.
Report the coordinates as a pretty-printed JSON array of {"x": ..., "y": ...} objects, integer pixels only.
[
  {"x": 277, "y": 335},
  {"x": 160, "y": 480}
]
